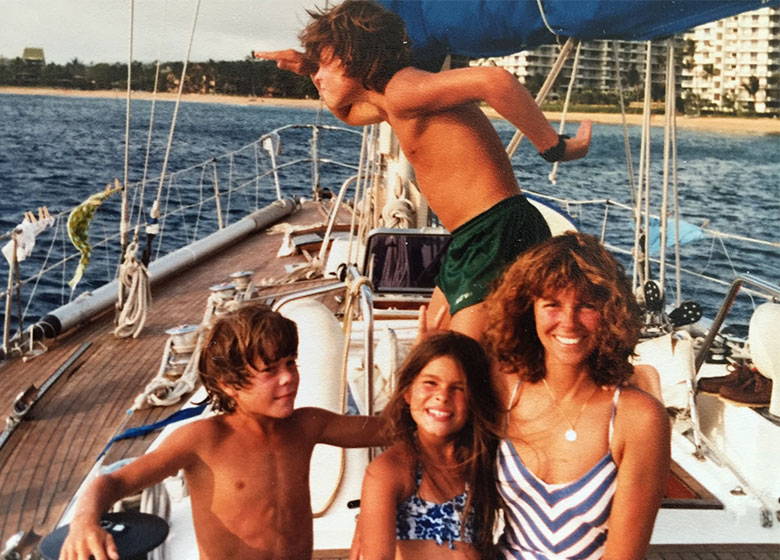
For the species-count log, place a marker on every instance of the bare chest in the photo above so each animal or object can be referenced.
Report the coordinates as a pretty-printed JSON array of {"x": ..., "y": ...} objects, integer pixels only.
[{"x": 555, "y": 450}]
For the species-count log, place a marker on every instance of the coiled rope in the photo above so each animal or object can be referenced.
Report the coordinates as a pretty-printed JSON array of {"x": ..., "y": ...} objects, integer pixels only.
[
  {"x": 130, "y": 322},
  {"x": 137, "y": 294}
]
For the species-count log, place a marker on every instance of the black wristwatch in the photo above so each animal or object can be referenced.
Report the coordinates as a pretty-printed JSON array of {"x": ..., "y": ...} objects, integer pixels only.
[{"x": 556, "y": 152}]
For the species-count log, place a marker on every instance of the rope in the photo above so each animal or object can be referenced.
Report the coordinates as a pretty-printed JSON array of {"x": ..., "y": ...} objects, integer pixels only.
[
  {"x": 545, "y": 89},
  {"x": 544, "y": 18},
  {"x": 626, "y": 144},
  {"x": 123, "y": 211},
  {"x": 366, "y": 141},
  {"x": 155, "y": 500},
  {"x": 638, "y": 276},
  {"x": 553, "y": 176},
  {"x": 398, "y": 211},
  {"x": 164, "y": 391},
  {"x": 149, "y": 132},
  {"x": 668, "y": 117},
  {"x": 177, "y": 104},
  {"x": 352, "y": 290},
  {"x": 134, "y": 279}
]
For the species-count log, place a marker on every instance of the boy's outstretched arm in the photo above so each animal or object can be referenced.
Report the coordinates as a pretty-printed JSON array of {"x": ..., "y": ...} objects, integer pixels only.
[
  {"x": 85, "y": 538},
  {"x": 412, "y": 93},
  {"x": 288, "y": 59},
  {"x": 356, "y": 113},
  {"x": 343, "y": 430}
]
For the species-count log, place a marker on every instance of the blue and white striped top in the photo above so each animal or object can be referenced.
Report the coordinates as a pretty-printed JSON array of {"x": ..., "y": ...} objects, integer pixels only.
[{"x": 555, "y": 521}]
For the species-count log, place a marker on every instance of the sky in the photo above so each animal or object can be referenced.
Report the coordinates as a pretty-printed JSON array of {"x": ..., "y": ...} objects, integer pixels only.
[{"x": 98, "y": 30}]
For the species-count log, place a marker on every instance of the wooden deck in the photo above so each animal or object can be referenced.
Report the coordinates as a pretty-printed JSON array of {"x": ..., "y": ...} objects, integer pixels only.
[
  {"x": 660, "y": 552},
  {"x": 51, "y": 451}
]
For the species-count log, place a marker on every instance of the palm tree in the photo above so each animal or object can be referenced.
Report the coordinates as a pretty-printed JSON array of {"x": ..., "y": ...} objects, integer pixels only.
[{"x": 751, "y": 86}]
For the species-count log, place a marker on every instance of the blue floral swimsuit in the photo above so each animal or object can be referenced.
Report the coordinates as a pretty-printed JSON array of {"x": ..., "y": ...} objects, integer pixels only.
[{"x": 418, "y": 519}]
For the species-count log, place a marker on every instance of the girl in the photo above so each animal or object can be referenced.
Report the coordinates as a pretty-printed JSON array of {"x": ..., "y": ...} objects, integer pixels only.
[
  {"x": 432, "y": 495},
  {"x": 583, "y": 465}
]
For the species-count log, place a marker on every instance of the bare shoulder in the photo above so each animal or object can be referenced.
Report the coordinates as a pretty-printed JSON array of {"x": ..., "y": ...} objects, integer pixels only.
[
  {"x": 638, "y": 402},
  {"x": 192, "y": 433},
  {"x": 393, "y": 468},
  {"x": 641, "y": 413},
  {"x": 404, "y": 79},
  {"x": 200, "y": 434},
  {"x": 505, "y": 383}
]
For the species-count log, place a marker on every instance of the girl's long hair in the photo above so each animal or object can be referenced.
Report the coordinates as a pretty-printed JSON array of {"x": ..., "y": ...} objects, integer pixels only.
[{"x": 475, "y": 443}]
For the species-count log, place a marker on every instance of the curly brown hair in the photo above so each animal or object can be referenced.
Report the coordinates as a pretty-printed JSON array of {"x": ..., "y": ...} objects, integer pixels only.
[
  {"x": 249, "y": 336},
  {"x": 476, "y": 441},
  {"x": 571, "y": 260},
  {"x": 370, "y": 41}
]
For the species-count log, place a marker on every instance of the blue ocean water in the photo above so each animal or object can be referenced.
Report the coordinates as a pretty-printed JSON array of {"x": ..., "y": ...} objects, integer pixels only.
[{"x": 56, "y": 151}]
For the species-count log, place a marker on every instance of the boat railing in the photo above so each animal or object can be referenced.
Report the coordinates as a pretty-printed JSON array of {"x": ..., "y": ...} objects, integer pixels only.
[
  {"x": 194, "y": 202},
  {"x": 743, "y": 280},
  {"x": 719, "y": 257}
]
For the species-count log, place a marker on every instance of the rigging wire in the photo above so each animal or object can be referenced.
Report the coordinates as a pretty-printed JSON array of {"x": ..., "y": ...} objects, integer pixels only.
[
  {"x": 553, "y": 176},
  {"x": 626, "y": 143},
  {"x": 177, "y": 105},
  {"x": 123, "y": 212},
  {"x": 563, "y": 55},
  {"x": 668, "y": 117},
  {"x": 141, "y": 212}
]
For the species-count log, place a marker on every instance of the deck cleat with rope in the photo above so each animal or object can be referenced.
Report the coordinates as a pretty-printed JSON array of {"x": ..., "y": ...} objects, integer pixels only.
[{"x": 242, "y": 280}]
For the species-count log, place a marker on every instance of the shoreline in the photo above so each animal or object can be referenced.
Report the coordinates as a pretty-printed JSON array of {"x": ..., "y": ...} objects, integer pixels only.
[{"x": 727, "y": 125}]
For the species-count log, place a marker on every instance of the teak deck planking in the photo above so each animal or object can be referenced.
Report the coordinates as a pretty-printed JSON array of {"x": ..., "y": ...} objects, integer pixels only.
[
  {"x": 54, "y": 447},
  {"x": 58, "y": 441}
]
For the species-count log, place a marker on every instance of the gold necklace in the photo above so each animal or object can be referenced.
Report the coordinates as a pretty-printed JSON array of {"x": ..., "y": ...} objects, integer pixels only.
[{"x": 571, "y": 433}]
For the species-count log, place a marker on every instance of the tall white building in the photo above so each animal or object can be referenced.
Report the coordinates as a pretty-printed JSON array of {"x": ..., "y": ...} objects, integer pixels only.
[
  {"x": 728, "y": 65},
  {"x": 736, "y": 62},
  {"x": 596, "y": 69}
]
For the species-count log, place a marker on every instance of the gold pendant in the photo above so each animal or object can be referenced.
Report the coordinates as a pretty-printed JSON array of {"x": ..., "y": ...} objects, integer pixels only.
[{"x": 570, "y": 435}]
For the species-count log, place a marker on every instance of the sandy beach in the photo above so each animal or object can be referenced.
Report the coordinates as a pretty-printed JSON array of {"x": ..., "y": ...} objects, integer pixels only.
[{"x": 728, "y": 125}]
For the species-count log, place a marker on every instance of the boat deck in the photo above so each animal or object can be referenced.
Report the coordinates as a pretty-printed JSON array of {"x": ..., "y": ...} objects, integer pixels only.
[
  {"x": 47, "y": 456},
  {"x": 660, "y": 552}
]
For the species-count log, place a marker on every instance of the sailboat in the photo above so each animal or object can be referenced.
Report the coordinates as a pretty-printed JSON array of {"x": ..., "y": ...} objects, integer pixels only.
[{"x": 351, "y": 265}]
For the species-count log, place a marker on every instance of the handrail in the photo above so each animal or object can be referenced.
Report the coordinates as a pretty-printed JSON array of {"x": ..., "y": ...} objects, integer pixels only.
[
  {"x": 189, "y": 208},
  {"x": 725, "y": 307},
  {"x": 307, "y": 293},
  {"x": 367, "y": 310}
]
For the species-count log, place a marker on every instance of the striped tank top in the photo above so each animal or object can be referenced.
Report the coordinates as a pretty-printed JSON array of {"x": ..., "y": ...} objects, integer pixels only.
[{"x": 555, "y": 521}]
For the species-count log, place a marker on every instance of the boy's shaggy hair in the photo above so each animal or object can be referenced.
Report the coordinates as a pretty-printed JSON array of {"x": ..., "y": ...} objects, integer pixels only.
[
  {"x": 253, "y": 335},
  {"x": 570, "y": 261},
  {"x": 476, "y": 441},
  {"x": 370, "y": 41}
]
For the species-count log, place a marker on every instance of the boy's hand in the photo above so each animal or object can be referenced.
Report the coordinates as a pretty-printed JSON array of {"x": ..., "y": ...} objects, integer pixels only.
[
  {"x": 288, "y": 59},
  {"x": 87, "y": 540},
  {"x": 578, "y": 146}
]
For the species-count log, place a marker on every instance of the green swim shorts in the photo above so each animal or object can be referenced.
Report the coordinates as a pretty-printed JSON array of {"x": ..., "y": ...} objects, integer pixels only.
[{"x": 482, "y": 247}]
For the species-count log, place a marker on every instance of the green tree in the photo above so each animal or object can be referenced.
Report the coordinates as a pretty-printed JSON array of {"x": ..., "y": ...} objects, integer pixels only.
[{"x": 751, "y": 86}]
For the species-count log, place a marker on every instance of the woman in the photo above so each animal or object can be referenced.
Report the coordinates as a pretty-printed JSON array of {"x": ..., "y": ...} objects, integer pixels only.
[{"x": 584, "y": 459}]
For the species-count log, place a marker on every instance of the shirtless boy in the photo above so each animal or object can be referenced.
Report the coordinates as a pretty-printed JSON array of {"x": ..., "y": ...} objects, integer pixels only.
[
  {"x": 358, "y": 57},
  {"x": 247, "y": 469}
]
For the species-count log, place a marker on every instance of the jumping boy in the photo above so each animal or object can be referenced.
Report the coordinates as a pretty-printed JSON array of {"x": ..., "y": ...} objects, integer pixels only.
[
  {"x": 247, "y": 469},
  {"x": 357, "y": 55}
]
